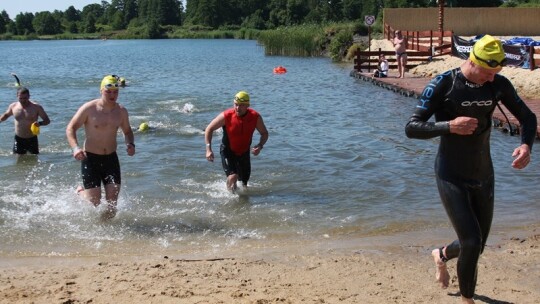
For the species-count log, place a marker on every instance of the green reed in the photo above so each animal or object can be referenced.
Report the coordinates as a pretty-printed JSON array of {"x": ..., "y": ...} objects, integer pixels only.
[{"x": 306, "y": 40}]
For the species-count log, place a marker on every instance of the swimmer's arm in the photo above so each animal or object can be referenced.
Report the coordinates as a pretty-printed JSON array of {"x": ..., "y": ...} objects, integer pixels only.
[
  {"x": 261, "y": 128},
  {"x": 75, "y": 124},
  {"x": 215, "y": 124},
  {"x": 417, "y": 128},
  {"x": 430, "y": 102},
  {"x": 8, "y": 113},
  {"x": 129, "y": 138},
  {"x": 44, "y": 117},
  {"x": 520, "y": 110}
]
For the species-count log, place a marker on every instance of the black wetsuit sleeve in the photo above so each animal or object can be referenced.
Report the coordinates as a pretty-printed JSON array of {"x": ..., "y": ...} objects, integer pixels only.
[
  {"x": 430, "y": 101},
  {"x": 519, "y": 109}
]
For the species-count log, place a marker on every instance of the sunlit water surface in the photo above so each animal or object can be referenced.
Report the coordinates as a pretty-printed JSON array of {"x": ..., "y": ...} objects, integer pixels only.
[{"x": 337, "y": 165}]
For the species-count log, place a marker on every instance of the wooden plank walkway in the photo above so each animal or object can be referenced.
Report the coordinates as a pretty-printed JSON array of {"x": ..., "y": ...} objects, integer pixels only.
[{"x": 412, "y": 86}]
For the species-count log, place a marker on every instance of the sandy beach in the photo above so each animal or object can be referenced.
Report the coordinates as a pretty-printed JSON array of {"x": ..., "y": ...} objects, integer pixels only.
[
  {"x": 508, "y": 272},
  {"x": 380, "y": 269}
]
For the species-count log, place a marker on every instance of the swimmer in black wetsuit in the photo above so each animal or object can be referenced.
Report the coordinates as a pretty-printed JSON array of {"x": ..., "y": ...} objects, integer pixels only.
[{"x": 463, "y": 101}]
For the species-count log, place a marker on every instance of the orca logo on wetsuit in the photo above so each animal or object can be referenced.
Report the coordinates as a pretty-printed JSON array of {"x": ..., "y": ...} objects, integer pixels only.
[{"x": 479, "y": 103}]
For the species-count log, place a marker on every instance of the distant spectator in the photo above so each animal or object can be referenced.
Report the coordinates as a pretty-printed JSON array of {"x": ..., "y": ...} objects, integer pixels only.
[
  {"x": 400, "y": 45},
  {"x": 382, "y": 67}
]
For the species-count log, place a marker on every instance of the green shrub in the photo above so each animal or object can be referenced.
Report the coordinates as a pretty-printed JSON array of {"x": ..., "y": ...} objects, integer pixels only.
[{"x": 339, "y": 44}]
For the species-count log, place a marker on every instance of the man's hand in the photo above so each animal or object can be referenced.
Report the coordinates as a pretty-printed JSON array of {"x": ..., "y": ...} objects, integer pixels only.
[
  {"x": 78, "y": 153},
  {"x": 130, "y": 148},
  {"x": 256, "y": 149},
  {"x": 463, "y": 125},
  {"x": 209, "y": 154},
  {"x": 522, "y": 156}
]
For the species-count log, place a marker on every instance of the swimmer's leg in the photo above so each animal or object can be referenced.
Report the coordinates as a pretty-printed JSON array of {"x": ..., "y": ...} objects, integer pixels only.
[
  {"x": 231, "y": 182},
  {"x": 441, "y": 274},
  {"x": 111, "y": 196},
  {"x": 93, "y": 194}
]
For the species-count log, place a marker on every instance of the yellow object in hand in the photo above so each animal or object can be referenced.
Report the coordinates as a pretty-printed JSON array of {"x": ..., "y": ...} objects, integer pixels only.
[{"x": 34, "y": 128}]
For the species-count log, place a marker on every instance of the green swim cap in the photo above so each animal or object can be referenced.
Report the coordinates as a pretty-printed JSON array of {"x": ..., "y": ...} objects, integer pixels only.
[
  {"x": 242, "y": 97},
  {"x": 488, "y": 53}
]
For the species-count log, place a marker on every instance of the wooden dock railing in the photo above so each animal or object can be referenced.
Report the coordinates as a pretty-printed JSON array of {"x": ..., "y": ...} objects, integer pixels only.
[
  {"x": 534, "y": 60},
  {"x": 368, "y": 60},
  {"x": 422, "y": 46}
]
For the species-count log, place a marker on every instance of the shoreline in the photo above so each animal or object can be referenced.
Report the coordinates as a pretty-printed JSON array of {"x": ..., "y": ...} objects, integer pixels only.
[
  {"x": 392, "y": 242},
  {"x": 379, "y": 269}
]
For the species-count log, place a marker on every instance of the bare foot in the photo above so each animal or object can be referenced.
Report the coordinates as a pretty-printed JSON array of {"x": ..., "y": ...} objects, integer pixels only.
[
  {"x": 441, "y": 275},
  {"x": 109, "y": 213},
  {"x": 79, "y": 189},
  {"x": 233, "y": 189},
  {"x": 467, "y": 300}
]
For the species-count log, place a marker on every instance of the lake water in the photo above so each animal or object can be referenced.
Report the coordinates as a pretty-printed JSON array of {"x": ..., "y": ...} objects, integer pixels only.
[{"x": 337, "y": 165}]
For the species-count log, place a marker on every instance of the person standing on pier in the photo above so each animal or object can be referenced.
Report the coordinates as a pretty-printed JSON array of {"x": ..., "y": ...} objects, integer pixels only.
[
  {"x": 463, "y": 100},
  {"x": 400, "y": 45}
]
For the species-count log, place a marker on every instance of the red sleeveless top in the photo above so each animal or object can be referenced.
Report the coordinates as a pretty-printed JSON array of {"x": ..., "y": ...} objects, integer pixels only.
[{"x": 238, "y": 131}]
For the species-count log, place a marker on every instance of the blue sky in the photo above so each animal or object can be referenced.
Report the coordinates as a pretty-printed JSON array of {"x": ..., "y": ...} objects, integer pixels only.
[{"x": 14, "y": 7}]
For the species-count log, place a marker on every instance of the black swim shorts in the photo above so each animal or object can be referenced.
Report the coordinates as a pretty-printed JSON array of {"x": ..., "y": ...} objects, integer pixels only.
[
  {"x": 97, "y": 169},
  {"x": 24, "y": 145}
]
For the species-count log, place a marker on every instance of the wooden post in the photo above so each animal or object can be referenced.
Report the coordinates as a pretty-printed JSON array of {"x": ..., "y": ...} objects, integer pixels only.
[
  {"x": 369, "y": 37},
  {"x": 431, "y": 41},
  {"x": 441, "y": 20},
  {"x": 531, "y": 57},
  {"x": 357, "y": 60}
]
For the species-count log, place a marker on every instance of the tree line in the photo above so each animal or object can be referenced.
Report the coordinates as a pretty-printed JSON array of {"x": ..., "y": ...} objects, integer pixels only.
[{"x": 154, "y": 15}]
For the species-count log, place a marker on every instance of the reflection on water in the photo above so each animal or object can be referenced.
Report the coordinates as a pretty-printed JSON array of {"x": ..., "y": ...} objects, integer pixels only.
[{"x": 337, "y": 164}]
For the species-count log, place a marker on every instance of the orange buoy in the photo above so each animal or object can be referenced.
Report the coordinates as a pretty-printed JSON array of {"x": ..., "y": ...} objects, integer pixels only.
[{"x": 280, "y": 70}]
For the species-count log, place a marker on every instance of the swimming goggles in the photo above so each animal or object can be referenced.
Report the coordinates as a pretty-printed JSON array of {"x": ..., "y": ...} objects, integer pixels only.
[
  {"x": 111, "y": 86},
  {"x": 491, "y": 62},
  {"x": 241, "y": 100}
]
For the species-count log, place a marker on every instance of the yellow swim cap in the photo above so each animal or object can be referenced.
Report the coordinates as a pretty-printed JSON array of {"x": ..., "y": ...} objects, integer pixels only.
[
  {"x": 242, "y": 98},
  {"x": 144, "y": 127},
  {"x": 488, "y": 53},
  {"x": 109, "y": 82}
]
